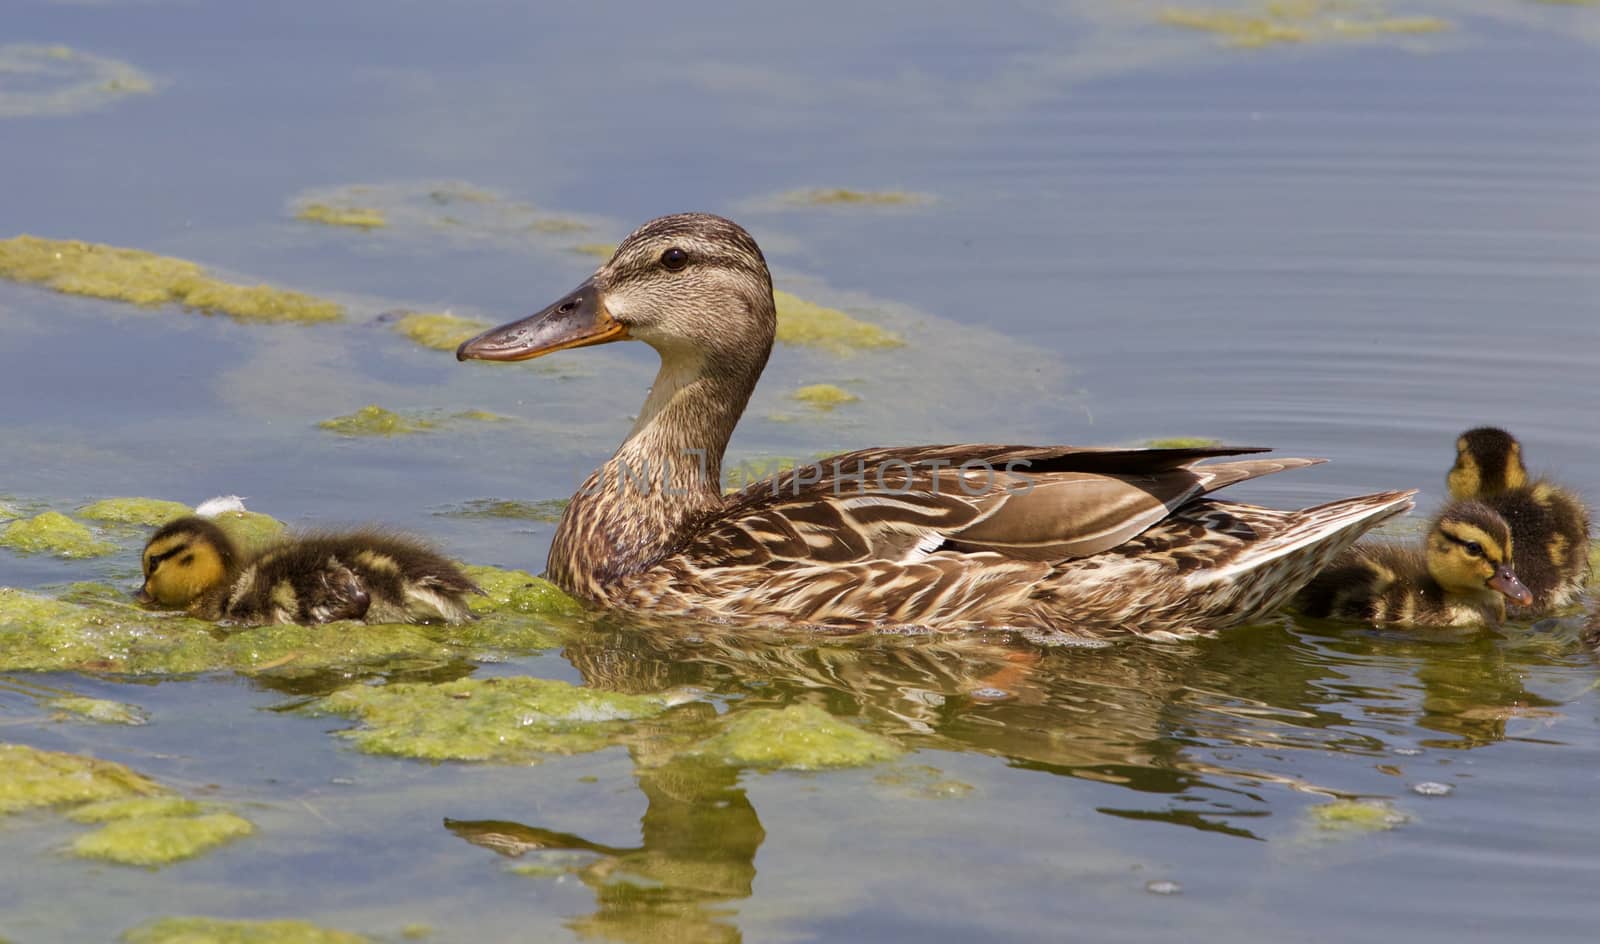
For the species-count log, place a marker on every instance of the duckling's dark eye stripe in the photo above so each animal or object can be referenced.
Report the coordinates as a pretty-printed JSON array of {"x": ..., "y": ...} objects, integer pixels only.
[
  {"x": 1467, "y": 543},
  {"x": 157, "y": 559}
]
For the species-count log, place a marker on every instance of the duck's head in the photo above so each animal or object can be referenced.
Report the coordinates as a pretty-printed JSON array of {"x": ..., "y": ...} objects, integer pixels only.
[
  {"x": 1469, "y": 553},
  {"x": 183, "y": 560},
  {"x": 693, "y": 286},
  {"x": 1488, "y": 462}
]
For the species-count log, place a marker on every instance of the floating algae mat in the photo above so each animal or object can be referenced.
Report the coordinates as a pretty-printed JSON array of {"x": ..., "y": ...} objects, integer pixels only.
[
  {"x": 101, "y": 710},
  {"x": 1299, "y": 21},
  {"x": 799, "y": 737},
  {"x": 356, "y": 217},
  {"x": 812, "y": 325},
  {"x": 510, "y": 720},
  {"x": 189, "y": 930},
  {"x": 374, "y": 420},
  {"x": 150, "y": 512},
  {"x": 53, "y": 533},
  {"x": 442, "y": 332},
  {"x": 824, "y": 396},
  {"x": 434, "y": 209},
  {"x": 143, "y": 823},
  {"x": 844, "y": 197},
  {"x": 60, "y": 80},
  {"x": 548, "y": 510},
  {"x": 144, "y": 278},
  {"x": 97, "y": 633}
]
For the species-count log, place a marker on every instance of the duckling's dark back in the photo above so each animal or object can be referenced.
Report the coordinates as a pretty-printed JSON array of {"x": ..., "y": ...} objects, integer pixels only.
[
  {"x": 1373, "y": 583},
  {"x": 365, "y": 575}
]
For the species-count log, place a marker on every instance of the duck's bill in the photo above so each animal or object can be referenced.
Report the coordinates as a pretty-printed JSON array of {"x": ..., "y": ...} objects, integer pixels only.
[
  {"x": 1507, "y": 584},
  {"x": 578, "y": 319}
]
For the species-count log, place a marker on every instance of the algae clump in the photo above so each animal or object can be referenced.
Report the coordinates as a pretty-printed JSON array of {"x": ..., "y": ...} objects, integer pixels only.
[
  {"x": 824, "y": 396},
  {"x": 1299, "y": 21},
  {"x": 442, "y": 332},
  {"x": 518, "y": 591},
  {"x": 548, "y": 510},
  {"x": 841, "y": 196},
  {"x": 374, "y": 420},
  {"x": 249, "y": 529},
  {"x": 101, "y": 710},
  {"x": 219, "y": 931},
  {"x": 38, "y": 633},
  {"x": 1355, "y": 816},
  {"x": 31, "y": 778},
  {"x": 799, "y": 737},
  {"x": 55, "y": 533},
  {"x": 511, "y": 720},
  {"x": 812, "y": 325},
  {"x": 601, "y": 251},
  {"x": 134, "y": 808},
  {"x": 143, "y": 278},
  {"x": 151, "y": 512},
  {"x": 357, "y": 217},
  {"x": 158, "y": 840}
]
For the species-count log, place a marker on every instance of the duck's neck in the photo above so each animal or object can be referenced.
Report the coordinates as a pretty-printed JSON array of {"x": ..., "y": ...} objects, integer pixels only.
[{"x": 667, "y": 475}]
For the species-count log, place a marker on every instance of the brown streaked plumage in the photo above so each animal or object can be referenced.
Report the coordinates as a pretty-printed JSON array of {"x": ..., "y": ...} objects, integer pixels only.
[
  {"x": 1549, "y": 523},
  {"x": 1461, "y": 576},
  {"x": 1086, "y": 541},
  {"x": 371, "y": 576}
]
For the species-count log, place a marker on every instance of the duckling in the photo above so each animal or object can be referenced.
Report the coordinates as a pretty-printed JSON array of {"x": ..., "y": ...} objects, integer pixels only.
[
  {"x": 1549, "y": 523},
  {"x": 1461, "y": 577},
  {"x": 192, "y": 564}
]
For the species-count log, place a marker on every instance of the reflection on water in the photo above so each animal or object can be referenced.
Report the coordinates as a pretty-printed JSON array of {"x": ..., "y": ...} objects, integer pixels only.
[{"x": 1205, "y": 736}]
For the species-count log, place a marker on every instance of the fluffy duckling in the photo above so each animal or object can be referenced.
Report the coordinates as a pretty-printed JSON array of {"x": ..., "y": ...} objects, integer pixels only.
[
  {"x": 192, "y": 564},
  {"x": 1461, "y": 577},
  {"x": 1549, "y": 524}
]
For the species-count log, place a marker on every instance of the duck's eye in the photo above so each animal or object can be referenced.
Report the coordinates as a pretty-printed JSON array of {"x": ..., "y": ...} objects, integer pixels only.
[
  {"x": 674, "y": 258},
  {"x": 1474, "y": 548}
]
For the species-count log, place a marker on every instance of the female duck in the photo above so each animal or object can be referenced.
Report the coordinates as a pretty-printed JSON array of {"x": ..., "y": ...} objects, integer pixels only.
[
  {"x": 1461, "y": 577},
  {"x": 192, "y": 564},
  {"x": 1084, "y": 541},
  {"x": 1549, "y": 524}
]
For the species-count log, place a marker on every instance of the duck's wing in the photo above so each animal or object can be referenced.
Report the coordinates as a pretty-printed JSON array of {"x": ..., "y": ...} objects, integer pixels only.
[{"x": 1025, "y": 502}]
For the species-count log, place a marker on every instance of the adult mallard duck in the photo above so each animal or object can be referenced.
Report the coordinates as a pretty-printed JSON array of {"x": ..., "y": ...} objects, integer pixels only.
[
  {"x": 1080, "y": 541},
  {"x": 1549, "y": 523},
  {"x": 192, "y": 564},
  {"x": 1461, "y": 576}
]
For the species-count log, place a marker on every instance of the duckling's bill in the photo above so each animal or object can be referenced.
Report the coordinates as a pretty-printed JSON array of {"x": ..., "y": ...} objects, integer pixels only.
[
  {"x": 578, "y": 319},
  {"x": 1506, "y": 583}
]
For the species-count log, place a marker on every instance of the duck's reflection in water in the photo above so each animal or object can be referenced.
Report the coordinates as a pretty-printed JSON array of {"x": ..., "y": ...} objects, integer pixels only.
[{"x": 1209, "y": 731}]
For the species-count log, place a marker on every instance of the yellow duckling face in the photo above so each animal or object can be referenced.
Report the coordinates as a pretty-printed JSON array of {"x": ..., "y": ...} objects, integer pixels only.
[
  {"x": 1488, "y": 462},
  {"x": 183, "y": 560},
  {"x": 1469, "y": 553}
]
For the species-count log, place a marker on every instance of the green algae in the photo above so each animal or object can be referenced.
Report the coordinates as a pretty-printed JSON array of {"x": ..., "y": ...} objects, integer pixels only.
[
  {"x": 249, "y": 529},
  {"x": 799, "y": 737},
  {"x": 517, "y": 591},
  {"x": 517, "y": 719},
  {"x": 1182, "y": 442},
  {"x": 352, "y": 216},
  {"x": 59, "y": 80},
  {"x": 9, "y": 511},
  {"x": 746, "y": 471},
  {"x": 53, "y": 533},
  {"x": 159, "y": 840},
  {"x": 134, "y": 808},
  {"x": 1355, "y": 816},
  {"x": 924, "y": 783},
  {"x": 454, "y": 210},
  {"x": 840, "y": 196},
  {"x": 189, "y": 930},
  {"x": 812, "y": 325},
  {"x": 442, "y": 332},
  {"x": 546, "y": 511},
  {"x": 31, "y": 778},
  {"x": 100, "y": 710},
  {"x": 142, "y": 278},
  {"x": 151, "y": 512},
  {"x": 824, "y": 396},
  {"x": 293, "y": 650},
  {"x": 601, "y": 251},
  {"x": 1299, "y": 21},
  {"x": 374, "y": 420},
  {"x": 39, "y": 633}
]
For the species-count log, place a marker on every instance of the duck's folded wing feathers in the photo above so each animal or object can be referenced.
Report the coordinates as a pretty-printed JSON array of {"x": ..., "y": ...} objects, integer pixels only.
[{"x": 1025, "y": 502}]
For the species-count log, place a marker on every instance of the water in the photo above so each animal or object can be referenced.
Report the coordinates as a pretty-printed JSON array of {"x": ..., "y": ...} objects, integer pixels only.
[{"x": 1349, "y": 249}]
